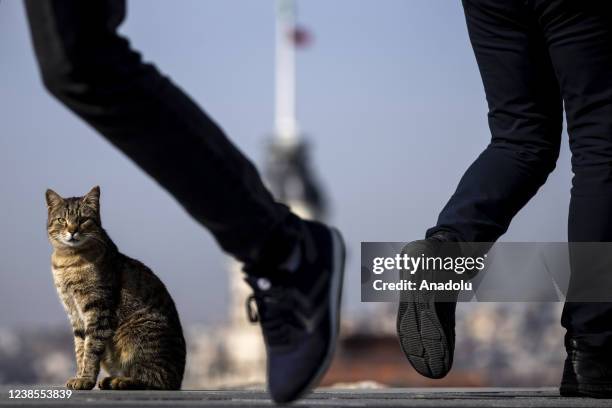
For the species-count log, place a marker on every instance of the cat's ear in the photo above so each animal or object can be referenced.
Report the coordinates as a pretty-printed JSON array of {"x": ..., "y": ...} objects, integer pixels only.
[
  {"x": 92, "y": 199},
  {"x": 53, "y": 199}
]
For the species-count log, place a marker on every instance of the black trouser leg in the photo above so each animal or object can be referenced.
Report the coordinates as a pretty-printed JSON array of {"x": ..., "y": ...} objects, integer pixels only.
[
  {"x": 579, "y": 37},
  {"x": 528, "y": 54},
  {"x": 94, "y": 72},
  {"x": 525, "y": 118}
]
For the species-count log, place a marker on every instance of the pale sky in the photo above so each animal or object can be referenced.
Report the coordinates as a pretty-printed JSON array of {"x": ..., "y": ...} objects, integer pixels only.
[{"x": 389, "y": 94}]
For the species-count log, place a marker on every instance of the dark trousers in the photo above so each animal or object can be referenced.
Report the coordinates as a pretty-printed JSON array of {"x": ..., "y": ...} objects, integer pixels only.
[
  {"x": 95, "y": 73},
  {"x": 535, "y": 57}
]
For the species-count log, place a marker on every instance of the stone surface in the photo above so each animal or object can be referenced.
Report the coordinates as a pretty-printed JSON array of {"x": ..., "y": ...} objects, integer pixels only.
[{"x": 389, "y": 397}]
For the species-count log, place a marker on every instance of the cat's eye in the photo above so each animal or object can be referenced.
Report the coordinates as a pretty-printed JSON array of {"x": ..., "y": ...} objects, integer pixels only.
[{"x": 61, "y": 220}]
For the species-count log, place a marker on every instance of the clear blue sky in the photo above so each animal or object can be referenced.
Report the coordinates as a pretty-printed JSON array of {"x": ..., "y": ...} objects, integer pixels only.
[{"x": 389, "y": 93}]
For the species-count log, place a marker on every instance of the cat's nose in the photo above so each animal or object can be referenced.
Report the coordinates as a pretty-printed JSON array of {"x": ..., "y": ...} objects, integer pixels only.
[{"x": 73, "y": 235}]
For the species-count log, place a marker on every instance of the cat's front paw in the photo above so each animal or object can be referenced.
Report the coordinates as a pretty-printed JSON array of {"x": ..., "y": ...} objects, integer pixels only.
[
  {"x": 118, "y": 383},
  {"x": 80, "y": 383}
]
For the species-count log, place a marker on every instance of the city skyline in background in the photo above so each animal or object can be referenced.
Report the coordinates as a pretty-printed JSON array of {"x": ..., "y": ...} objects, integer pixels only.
[{"x": 388, "y": 94}]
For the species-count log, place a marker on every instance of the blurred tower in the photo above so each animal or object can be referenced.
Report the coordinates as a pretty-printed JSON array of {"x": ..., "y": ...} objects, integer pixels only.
[
  {"x": 289, "y": 177},
  {"x": 287, "y": 167}
]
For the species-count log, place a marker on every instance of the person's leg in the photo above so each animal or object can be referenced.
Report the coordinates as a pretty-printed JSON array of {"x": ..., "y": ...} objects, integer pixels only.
[
  {"x": 295, "y": 267},
  {"x": 579, "y": 37},
  {"x": 89, "y": 67},
  {"x": 525, "y": 118}
]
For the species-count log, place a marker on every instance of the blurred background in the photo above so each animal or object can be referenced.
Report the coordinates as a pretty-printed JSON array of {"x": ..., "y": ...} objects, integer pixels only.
[{"x": 389, "y": 96}]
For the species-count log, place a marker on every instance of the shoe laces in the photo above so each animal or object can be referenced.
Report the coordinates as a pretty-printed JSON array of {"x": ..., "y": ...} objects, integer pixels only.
[{"x": 272, "y": 309}]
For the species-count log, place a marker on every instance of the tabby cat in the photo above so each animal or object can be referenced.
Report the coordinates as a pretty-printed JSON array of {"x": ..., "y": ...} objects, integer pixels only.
[{"x": 123, "y": 318}]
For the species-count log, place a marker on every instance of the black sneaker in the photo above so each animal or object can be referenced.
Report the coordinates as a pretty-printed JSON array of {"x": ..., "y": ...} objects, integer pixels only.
[
  {"x": 425, "y": 326},
  {"x": 299, "y": 312},
  {"x": 587, "y": 373}
]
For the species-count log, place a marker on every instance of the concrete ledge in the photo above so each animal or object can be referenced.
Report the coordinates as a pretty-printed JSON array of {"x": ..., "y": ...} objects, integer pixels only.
[{"x": 328, "y": 397}]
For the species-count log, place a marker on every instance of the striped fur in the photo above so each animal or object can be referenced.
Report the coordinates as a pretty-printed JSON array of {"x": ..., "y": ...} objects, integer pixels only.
[{"x": 122, "y": 316}]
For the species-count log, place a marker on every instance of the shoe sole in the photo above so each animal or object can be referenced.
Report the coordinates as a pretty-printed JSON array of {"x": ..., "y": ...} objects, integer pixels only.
[
  {"x": 421, "y": 335},
  {"x": 569, "y": 390},
  {"x": 585, "y": 390},
  {"x": 335, "y": 291}
]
